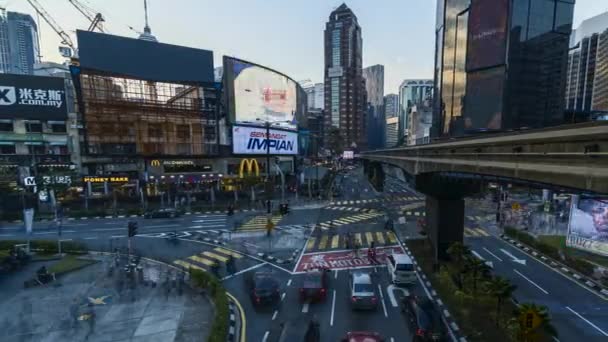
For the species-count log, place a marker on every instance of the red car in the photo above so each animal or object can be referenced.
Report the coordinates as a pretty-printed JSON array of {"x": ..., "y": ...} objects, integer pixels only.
[
  {"x": 363, "y": 336},
  {"x": 314, "y": 286}
]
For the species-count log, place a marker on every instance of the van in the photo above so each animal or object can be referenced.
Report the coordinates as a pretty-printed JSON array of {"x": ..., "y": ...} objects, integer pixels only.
[{"x": 400, "y": 269}]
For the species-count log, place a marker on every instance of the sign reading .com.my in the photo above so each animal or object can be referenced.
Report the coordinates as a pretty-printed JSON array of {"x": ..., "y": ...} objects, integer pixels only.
[
  {"x": 253, "y": 140},
  {"x": 32, "y": 97}
]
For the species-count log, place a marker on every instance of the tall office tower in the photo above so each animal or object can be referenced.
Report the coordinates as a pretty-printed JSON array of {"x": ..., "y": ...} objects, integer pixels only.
[
  {"x": 344, "y": 84},
  {"x": 18, "y": 43},
  {"x": 376, "y": 122}
]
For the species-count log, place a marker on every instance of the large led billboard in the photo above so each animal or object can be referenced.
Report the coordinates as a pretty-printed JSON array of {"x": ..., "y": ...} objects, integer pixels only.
[
  {"x": 483, "y": 101},
  {"x": 257, "y": 95},
  {"x": 588, "y": 227},
  {"x": 32, "y": 97},
  {"x": 487, "y": 39},
  {"x": 252, "y": 140}
]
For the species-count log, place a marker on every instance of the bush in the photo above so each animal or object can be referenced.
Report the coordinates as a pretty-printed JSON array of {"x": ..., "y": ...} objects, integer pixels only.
[
  {"x": 581, "y": 265},
  {"x": 47, "y": 246},
  {"x": 219, "y": 329}
]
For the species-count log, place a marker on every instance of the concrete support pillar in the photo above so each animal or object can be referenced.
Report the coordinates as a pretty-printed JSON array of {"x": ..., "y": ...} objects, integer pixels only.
[{"x": 445, "y": 223}]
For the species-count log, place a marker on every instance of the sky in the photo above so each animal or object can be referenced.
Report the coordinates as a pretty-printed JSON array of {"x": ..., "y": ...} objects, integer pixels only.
[{"x": 286, "y": 35}]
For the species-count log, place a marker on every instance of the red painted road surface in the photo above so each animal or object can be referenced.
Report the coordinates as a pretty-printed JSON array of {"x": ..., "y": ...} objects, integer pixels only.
[{"x": 344, "y": 259}]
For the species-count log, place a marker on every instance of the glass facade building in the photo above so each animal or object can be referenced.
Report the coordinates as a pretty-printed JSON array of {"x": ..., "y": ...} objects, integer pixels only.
[
  {"x": 476, "y": 40},
  {"x": 19, "y": 49},
  {"x": 374, "y": 86}
]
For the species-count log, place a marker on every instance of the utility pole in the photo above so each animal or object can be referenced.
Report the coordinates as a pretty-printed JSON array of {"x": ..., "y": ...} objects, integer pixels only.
[{"x": 268, "y": 187}]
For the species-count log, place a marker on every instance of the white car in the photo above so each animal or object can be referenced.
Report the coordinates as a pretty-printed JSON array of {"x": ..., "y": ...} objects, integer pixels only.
[{"x": 401, "y": 269}]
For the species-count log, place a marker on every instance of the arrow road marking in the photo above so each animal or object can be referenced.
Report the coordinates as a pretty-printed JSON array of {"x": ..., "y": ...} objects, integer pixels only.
[
  {"x": 492, "y": 254},
  {"x": 391, "y": 294},
  {"x": 531, "y": 282},
  {"x": 519, "y": 261},
  {"x": 489, "y": 263}
]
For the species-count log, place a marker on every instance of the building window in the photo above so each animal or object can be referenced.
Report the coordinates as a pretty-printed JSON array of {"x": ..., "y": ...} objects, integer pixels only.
[
  {"x": 36, "y": 149},
  {"x": 155, "y": 131},
  {"x": 183, "y": 149},
  {"x": 183, "y": 131},
  {"x": 7, "y": 149},
  {"x": 58, "y": 149},
  {"x": 57, "y": 127},
  {"x": 6, "y": 126},
  {"x": 209, "y": 133},
  {"x": 153, "y": 148},
  {"x": 33, "y": 127}
]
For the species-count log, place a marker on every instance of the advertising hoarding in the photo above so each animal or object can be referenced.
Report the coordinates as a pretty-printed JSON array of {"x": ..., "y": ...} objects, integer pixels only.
[
  {"x": 257, "y": 95},
  {"x": 348, "y": 155},
  {"x": 144, "y": 60},
  {"x": 32, "y": 97},
  {"x": 588, "y": 226},
  {"x": 487, "y": 40},
  {"x": 483, "y": 102},
  {"x": 252, "y": 140}
]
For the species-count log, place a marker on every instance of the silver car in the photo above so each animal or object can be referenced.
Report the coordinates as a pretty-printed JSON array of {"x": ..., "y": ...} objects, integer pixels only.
[{"x": 363, "y": 293}]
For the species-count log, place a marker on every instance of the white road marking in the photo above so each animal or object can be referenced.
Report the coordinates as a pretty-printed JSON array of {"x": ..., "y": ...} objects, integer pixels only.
[
  {"x": 106, "y": 229},
  {"x": 44, "y": 233},
  {"x": 392, "y": 339},
  {"x": 117, "y": 236},
  {"x": 305, "y": 307},
  {"x": 382, "y": 299},
  {"x": 333, "y": 309},
  {"x": 243, "y": 271},
  {"x": 531, "y": 282},
  {"x": 90, "y": 238},
  {"x": 588, "y": 322},
  {"x": 335, "y": 274},
  {"x": 265, "y": 336},
  {"x": 489, "y": 263},
  {"x": 282, "y": 296},
  {"x": 274, "y": 315},
  {"x": 6, "y": 235},
  {"x": 492, "y": 254},
  {"x": 289, "y": 282},
  {"x": 391, "y": 294},
  {"x": 519, "y": 261},
  {"x": 208, "y": 226},
  {"x": 164, "y": 226}
]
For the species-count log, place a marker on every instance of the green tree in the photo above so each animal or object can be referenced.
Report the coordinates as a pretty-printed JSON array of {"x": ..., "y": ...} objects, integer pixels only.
[
  {"x": 476, "y": 268},
  {"x": 501, "y": 289},
  {"x": 544, "y": 332},
  {"x": 335, "y": 141},
  {"x": 458, "y": 254}
]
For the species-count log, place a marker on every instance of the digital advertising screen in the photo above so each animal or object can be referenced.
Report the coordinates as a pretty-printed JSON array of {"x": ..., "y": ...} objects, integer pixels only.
[
  {"x": 32, "y": 97},
  {"x": 483, "y": 100},
  {"x": 588, "y": 227},
  {"x": 487, "y": 40},
  {"x": 258, "y": 95},
  {"x": 253, "y": 140}
]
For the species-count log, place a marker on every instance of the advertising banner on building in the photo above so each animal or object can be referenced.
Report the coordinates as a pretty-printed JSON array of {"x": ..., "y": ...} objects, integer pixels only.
[
  {"x": 487, "y": 40},
  {"x": 588, "y": 227},
  {"x": 252, "y": 140},
  {"x": 32, "y": 97}
]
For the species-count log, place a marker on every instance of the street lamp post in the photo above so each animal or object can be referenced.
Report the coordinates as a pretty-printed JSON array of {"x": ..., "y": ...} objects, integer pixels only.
[{"x": 268, "y": 188}]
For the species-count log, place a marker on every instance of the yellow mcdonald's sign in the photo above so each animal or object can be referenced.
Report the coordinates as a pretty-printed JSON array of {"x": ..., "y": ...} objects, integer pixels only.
[
  {"x": 155, "y": 162},
  {"x": 251, "y": 165}
]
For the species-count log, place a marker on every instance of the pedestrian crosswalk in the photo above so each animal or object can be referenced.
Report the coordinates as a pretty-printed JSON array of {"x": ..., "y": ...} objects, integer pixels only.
[
  {"x": 329, "y": 241},
  {"x": 348, "y": 220},
  {"x": 205, "y": 260},
  {"x": 475, "y": 232},
  {"x": 377, "y": 200},
  {"x": 353, "y": 209},
  {"x": 478, "y": 218},
  {"x": 414, "y": 213},
  {"x": 259, "y": 222}
]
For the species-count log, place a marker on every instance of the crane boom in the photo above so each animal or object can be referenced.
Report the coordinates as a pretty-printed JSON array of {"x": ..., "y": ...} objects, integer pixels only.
[
  {"x": 95, "y": 19},
  {"x": 65, "y": 38}
]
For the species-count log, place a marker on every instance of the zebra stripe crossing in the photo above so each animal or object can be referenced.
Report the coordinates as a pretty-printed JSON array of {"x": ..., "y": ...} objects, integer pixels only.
[
  {"x": 204, "y": 260},
  {"x": 348, "y": 220},
  {"x": 475, "y": 232},
  {"x": 377, "y": 200},
  {"x": 339, "y": 241},
  {"x": 259, "y": 222}
]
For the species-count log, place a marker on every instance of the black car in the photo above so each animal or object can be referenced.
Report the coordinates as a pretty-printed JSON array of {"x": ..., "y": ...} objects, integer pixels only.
[
  {"x": 424, "y": 319},
  {"x": 162, "y": 213},
  {"x": 263, "y": 288}
]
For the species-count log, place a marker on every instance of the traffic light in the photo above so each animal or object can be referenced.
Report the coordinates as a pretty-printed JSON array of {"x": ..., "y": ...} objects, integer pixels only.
[{"x": 132, "y": 228}]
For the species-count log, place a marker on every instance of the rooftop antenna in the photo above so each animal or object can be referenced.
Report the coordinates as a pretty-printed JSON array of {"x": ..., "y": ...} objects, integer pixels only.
[{"x": 147, "y": 34}]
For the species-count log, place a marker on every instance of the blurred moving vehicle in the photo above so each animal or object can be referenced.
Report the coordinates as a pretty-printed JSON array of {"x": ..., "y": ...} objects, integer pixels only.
[
  {"x": 263, "y": 288},
  {"x": 314, "y": 286},
  {"x": 363, "y": 293},
  {"x": 363, "y": 336},
  {"x": 162, "y": 213},
  {"x": 424, "y": 319}
]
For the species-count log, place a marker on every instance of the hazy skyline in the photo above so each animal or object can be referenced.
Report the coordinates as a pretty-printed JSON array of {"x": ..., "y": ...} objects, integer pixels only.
[{"x": 398, "y": 34}]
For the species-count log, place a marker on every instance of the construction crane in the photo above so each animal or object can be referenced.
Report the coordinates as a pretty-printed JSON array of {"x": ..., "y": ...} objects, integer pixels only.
[
  {"x": 96, "y": 19},
  {"x": 65, "y": 38}
]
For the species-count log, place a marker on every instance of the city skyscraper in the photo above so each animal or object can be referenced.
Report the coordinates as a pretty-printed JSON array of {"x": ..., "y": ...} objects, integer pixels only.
[
  {"x": 391, "y": 105},
  {"x": 376, "y": 121},
  {"x": 18, "y": 43},
  {"x": 412, "y": 93},
  {"x": 315, "y": 94},
  {"x": 476, "y": 40},
  {"x": 586, "y": 87},
  {"x": 344, "y": 84}
]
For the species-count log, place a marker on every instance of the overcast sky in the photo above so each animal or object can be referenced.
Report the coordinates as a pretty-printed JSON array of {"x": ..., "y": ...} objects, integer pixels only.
[{"x": 286, "y": 35}]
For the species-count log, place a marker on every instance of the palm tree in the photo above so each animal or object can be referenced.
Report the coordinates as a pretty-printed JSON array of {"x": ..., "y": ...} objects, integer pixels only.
[
  {"x": 478, "y": 268},
  {"x": 544, "y": 331},
  {"x": 458, "y": 253},
  {"x": 502, "y": 289}
]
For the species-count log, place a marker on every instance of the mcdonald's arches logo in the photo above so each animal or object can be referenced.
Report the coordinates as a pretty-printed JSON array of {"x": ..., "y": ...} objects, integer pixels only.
[
  {"x": 251, "y": 165},
  {"x": 155, "y": 162}
]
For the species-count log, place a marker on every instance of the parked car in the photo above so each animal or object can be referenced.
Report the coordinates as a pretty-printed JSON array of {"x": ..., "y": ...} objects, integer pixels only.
[
  {"x": 424, "y": 319},
  {"x": 363, "y": 336},
  {"x": 314, "y": 286},
  {"x": 162, "y": 213},
  {"x": 363, "y": 293},
  {"x": 263, "y": 288}
]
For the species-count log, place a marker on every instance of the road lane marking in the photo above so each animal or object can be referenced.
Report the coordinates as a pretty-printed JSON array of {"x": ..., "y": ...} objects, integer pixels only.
[
  {"x": 380, "y": 237},
  {"x": 588, "y": 322},
  {"x": 519, "y": 261},
  {"x": 391, "y": 294},
  {"x": 245, "y": 270},
  {"x": 227, "y": 252},
  {"x": 188, "y": 265},
  {"x": 282, "y": 296},
  {"x": 106, "y": 229},
  {"x": 391, "y": 237},
  {"x": 492, "y": 254},
  {"x": 305, "y": 307},
  {"x": 274, "y": 315},
  {"x": 90, "y": 238},
  {"x": 311, "y": 243},
  {"x": 323, "y": 242},
  {"x": 7, "y": 235},
  {"x": 369, "y": 237},
  {"x": 531, "y": 282},
  {"x": 382, "y": 299},
  {"x": 164, "y": 226},
  {"x": 265, "y": 336},
  {"x": 333, "y": 309},
  {"x": 392, "y": 339},
  {"x": 335, "y": 241},
  {"x": 202, "y": 260},
  {"x": 358, "y": 239},
  {"x": 215, "y": 256},
  {"x": 488, "y": 263},
  {"x": 117, "y": 236},
  {"x": 289, "y": 282},
  {"x": 335, "y": 274}
]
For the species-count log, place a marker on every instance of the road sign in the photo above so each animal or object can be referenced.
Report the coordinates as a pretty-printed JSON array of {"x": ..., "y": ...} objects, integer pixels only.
[
  {"x": 515, "y": 206},
  {"x": 530, "y": 320}
]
